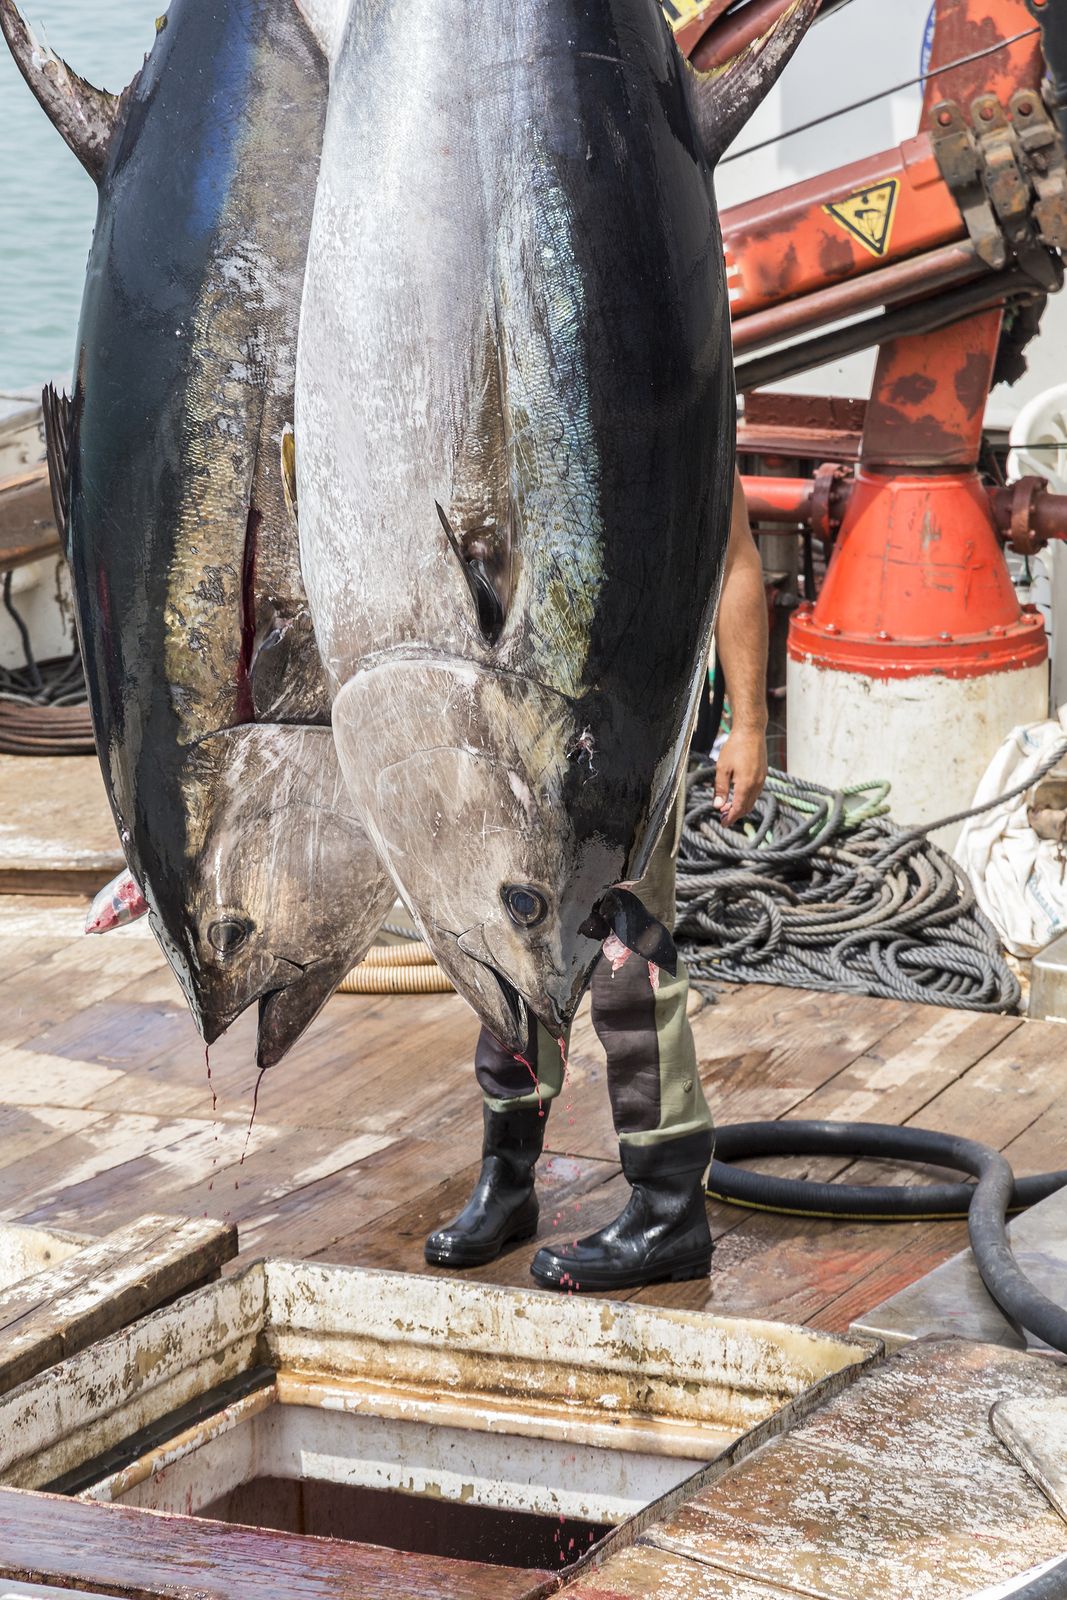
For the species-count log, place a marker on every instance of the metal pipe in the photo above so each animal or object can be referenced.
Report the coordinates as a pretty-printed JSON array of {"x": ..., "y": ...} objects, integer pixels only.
[
  {"x": 1027, "y": 513},
  {"x": 786, "y": 500},
  {"x": 729, "y": 35},
  {"x": 921, "y": 316},
  {"x": 937, "y": 269}
]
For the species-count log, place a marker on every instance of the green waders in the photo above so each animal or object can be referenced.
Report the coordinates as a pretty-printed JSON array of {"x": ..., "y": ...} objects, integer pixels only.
[{"x": 653, "y": 1083}]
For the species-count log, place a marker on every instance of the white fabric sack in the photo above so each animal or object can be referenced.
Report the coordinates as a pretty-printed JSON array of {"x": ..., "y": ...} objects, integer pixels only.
[{"x": 1018, "y": 878}]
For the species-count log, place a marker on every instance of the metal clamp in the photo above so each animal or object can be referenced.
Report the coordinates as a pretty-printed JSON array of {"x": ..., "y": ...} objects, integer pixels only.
[
  {"x": 1008, "y": 175},
  {"x": 826, "y": 503},
  {"x": 1022, "y": 532}
]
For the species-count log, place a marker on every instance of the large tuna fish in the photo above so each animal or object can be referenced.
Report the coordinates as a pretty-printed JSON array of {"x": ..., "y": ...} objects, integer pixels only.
[
  {"x": 199, "y": 651},
  {"x": 514, "y": 451}
]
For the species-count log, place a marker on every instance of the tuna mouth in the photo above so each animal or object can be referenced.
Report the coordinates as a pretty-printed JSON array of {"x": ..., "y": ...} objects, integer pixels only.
[
  {"x": 213, "y": 1026},
  {"x": 517, "y": 1007},
  {"x": 285, "y": 1012}
]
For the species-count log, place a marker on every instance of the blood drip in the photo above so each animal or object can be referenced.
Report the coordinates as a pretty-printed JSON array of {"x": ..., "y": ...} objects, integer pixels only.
[
  {"x": 252, "y": 1118},
  {"x": 214, "y": 1106},
  {"x": 536, "y": 1083}
]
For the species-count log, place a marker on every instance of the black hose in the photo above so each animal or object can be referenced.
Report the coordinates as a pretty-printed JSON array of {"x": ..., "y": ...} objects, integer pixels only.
[
  {"x": 1051, "y": 1585},
  {"x": 986, "y": 1203}
]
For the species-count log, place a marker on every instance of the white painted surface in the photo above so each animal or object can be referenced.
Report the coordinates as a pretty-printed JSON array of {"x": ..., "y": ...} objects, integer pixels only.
[
  {"x": 21, "y": 434},
  {"x": 382, "y": 1350},
  {"x": 25, "y": 1251},
  {"x": 1035, "y": 1431},
  {"x": 1039, "y": 448},
  {"x": 1004, "y": 1591},
  {"x": 630, "y": 1366},
  {"x": 931, "y": 737},
  {"x": 564, "y": 1478},
  {"x": 40, "y": 593}
]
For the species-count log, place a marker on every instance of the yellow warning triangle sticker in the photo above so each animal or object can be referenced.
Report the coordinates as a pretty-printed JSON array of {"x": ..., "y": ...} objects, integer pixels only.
[
  {"x": 868, "y": 215},
  {"x": 679, "y": 12}
]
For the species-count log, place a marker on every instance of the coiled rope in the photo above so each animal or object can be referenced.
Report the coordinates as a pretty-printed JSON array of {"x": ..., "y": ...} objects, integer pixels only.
[{"x": 819, "y": 889}]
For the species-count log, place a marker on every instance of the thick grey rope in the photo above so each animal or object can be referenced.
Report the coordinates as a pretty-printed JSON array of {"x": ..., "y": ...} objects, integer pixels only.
[{"x": 817, "y": 893}]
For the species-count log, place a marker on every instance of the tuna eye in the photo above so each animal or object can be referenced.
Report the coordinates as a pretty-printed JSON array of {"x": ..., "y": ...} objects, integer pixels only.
[
  {"x": 525, "y": 906},
  {"x": 227, "y": 935}
]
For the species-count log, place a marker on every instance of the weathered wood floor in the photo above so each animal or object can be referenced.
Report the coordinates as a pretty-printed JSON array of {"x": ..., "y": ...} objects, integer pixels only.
[{"x": 368, "y": 1135}]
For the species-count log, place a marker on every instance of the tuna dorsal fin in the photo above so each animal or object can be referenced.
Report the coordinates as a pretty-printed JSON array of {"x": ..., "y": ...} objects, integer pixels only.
[
  {"x": 83, "y": 115},
  {"x": 726, "y": 96},
  {"x": 57, "y": 423}
]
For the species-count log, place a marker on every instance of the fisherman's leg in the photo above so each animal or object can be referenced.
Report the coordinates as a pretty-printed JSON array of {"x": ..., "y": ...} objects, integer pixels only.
[
  {"x": 516, "y": 1097},
  {"x": 661, "y": 1116}
]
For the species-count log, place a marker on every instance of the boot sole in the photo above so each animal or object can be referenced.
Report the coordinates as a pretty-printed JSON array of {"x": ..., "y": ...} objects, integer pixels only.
[
  {"x": 677, "y": 1272},
  {"x": 479, "y": 1258}
]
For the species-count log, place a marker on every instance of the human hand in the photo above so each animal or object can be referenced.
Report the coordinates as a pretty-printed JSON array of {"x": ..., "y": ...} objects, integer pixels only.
[{"x": 740, "y": 773}]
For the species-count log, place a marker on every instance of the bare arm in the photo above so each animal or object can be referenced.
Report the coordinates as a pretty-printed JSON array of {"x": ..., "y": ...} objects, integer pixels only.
[{"x": 741, "y": 643}]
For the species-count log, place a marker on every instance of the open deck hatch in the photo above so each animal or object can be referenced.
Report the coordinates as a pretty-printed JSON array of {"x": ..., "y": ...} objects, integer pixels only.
[{"x": 420, "y": 1413}]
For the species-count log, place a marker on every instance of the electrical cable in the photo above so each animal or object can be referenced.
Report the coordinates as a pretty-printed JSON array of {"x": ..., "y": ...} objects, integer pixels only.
[
  {"x": 881, "y": 94},
  {"x": 44, "y": 704}
]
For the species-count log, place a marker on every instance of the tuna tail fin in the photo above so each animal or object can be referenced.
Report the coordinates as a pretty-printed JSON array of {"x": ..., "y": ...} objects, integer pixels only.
[
  {"x": 620, "y": 912},
  {"x": 725, "y": 96},
  {"x": 83, "y": 115},
  {"x": 57, "y": 424}
]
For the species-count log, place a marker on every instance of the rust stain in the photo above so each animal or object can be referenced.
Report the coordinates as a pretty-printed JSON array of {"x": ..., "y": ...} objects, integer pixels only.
[
  {"x": 912, "y": 389},
  {"x": 836, "y": 256},
  {"x": 972, "y": 383}
]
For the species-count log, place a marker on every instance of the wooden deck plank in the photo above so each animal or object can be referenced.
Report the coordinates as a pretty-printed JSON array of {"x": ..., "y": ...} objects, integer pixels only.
[
  {"x": 396, "y": 1240},
  {"x": 66, "y": 840},
  {"x": 896, "y": 1487},
  {"x": 208, "y": 1171},
  {"x": 46, "y": 1539},
  {"x": 368, "y": 1135},
  {"x": 811, "y": 1270},
  {"x": 104, "y": 1286}
]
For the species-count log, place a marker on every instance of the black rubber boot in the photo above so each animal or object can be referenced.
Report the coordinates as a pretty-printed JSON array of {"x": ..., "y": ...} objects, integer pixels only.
[
  {"x": 663, "y": 1232},
  {"x": 503, "y": 1207}
]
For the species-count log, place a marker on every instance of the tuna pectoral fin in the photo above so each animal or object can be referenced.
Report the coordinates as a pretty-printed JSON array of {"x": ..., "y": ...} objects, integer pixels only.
[
  {"x": 620, "y": 912},
  {"x": 487, "y": 601},
  {"x": 57, "y": 416},
  {"x": 85, "y": 116},
  {"x": 725, "y": 96}
]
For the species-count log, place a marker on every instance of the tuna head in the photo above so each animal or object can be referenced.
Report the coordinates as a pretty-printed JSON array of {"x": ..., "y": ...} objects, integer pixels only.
[
  {"x": 285, "y": 894},
  {"x": 481, "y": 791}
]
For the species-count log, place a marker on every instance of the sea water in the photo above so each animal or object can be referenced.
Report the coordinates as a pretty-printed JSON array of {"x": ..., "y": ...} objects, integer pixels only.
[{"x": 47, "y": 200}]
